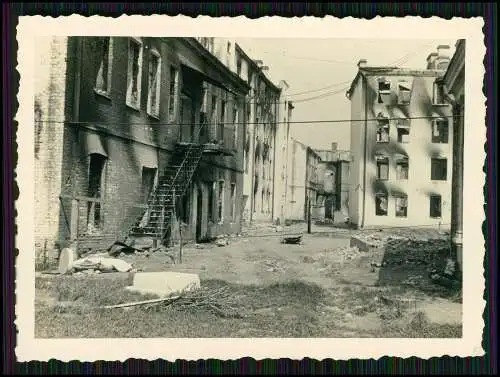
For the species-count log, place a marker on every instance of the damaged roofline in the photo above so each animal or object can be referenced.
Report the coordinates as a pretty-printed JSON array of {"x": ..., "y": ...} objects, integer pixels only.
[
  {"x": 273, "y": 86},
  {"x": 216, "y": 63}
]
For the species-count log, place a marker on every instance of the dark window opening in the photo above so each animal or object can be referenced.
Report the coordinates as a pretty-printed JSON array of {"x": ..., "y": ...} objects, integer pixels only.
[
  {"x": 381, "y": 205},
  {"x": 211, "y": 201},
  {"x": 439, "y": 97},
  {"x": 232, "y": 213},
  {"x": 435, "y": 206},
  {"x": 148, "y": 180},
  {"x": 185, "y": 206},
  {"x": 440, "y": 131},
  {"x": 439, "y": 168},
  {"x": 103, "y": 75},
  {"x": 95, "y": 178},
  {"x": 401, "y": 206},
  {"x": 404, "y": 94},
  {"x": 403, "y": 135},
  {"x": 383, "y": 131},
  {"x": 134, "y": 64},
  {"x": 154, "y": 84},
  {"x": 383, "y": 168},
  {"x": 172, "y": 92}
]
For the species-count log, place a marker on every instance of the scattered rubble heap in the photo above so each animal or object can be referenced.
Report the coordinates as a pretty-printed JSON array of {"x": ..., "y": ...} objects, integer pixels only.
[{"x": 432, "y": 253}]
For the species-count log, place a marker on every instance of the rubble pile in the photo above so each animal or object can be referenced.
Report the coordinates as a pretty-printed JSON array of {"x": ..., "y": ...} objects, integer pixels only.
[
  {"x": 432, "y": 252},
  {"x": 349, "y": 252}
]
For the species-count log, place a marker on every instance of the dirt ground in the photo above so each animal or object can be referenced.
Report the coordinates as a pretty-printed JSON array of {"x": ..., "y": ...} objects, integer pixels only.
[{"x": 320, "y": 287}]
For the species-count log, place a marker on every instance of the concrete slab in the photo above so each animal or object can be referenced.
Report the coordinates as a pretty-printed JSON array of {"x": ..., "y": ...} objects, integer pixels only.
[
  {"x": 164, "y": 284},
  {"x": 365, "y": 245}
]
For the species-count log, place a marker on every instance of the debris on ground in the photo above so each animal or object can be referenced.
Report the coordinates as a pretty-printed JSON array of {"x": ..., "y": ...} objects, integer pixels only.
[
  {"x": 217, "y": 301},
  {"x": 102, "y": 264},
  {"x": 292, "y": 239},
  {"x": 307, "y": 259},
  {"x": 164, "y": 284},
  {"x": 273, "y": 266}
]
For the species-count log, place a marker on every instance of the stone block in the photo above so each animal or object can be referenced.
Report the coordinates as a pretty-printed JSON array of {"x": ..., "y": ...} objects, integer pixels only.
[
  {"x": 164, "y": 284},
  {"x": 364, "y": 245}
]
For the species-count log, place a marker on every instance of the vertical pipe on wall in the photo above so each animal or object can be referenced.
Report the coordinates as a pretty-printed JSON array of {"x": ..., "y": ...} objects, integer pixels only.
[{"x": 365, "y": 91}]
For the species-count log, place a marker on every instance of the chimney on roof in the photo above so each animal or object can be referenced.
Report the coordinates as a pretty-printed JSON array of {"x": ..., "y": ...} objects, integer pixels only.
[
  {"x": 259, "y": 63},
  {"x": 443, "y": 57},
  {"x": 334, "y": 147},
  {"x": 362, "y": 63},
  {"x": 431, "y": 60}
]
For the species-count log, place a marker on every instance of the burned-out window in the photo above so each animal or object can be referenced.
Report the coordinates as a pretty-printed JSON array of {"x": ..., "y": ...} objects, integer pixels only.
[
  {"x": 401, "y": 206},
  {"x": 382, "y": 130},
  {"x": 220, "y": 201},
  {"x": 435, "y": 206},
  {"x": 173, "y": 94},
  {"x": 222, "y": 120},
  {"x": 402, "y": 168},
  {"x": 148, "y": 181},
  {"x": 211, "y": 201},
  {"x": 382, "y": 168},
  {"x": 404, "y": 93},
  {"x": 238, "y": 65},
  {"x": 184, "y": 208},
  {"x": 94, "y": 191},
  {"x": 384, "y": 90},
  {"x": 439, "y": 167},
  {"x": 403, "y": 128},
  {"x": 134, "y": 74},
  {"x": 438, "y": 94},
  {"x": 440, "y": 131},
  {"x": 105, "y": 51},
  {"x": 381, "y": 204},
  {"x": 235, "y": 127},
  {"x": 233, "y": 203},
  {"x": 154, "y": 83}
]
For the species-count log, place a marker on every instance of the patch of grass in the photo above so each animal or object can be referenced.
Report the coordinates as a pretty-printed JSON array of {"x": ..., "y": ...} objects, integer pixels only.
[{"x": 420, "y": 327}]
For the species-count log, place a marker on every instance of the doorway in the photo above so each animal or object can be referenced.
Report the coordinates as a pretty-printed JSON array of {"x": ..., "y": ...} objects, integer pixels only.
[
  {"x": 199, "y": 214},
  {"x": 187, "y": 118}
]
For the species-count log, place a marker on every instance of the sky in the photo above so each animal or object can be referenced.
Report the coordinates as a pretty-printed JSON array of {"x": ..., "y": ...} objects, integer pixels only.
[{"x": 319, "y": 72}]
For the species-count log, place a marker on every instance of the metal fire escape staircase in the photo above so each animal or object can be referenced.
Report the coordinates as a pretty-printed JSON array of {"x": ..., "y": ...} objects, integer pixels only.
[{"x": 172, "y": 185}]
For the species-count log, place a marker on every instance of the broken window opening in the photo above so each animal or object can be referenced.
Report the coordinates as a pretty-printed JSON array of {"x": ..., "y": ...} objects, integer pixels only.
[
  {"x": 185, "y": 207},
  {"x": 439, "y": 167},
  {"x": 439, "y": 96},
  {"x": 403, "y": 135},
  {"x": 233, "y": 202},
  {"x": 404, "y": 93},
  {"x": 220, "y": 202},
  {"x": 213, "y": 115},
  {"x": 95, "y": 182},
  {"x": 134, "y": 73},
  {"x": 222, "y": 121},
  {"x": 148, "y": 182},
  {"x": 154, "y": 83},
  {"x": 383, "y": 131},
  {"x": 384, "y": 89},
  {"x": 173, "y": 92},
  {"x": 401, "y": 206},
  {"x": 440, "y": 131},
  {"x": 103, "y": 79},
  {"x": 381, "y": 204},
  {"x": 383, "y": 168},
  {"x": 435, "y": 206},
  {"x": 402, "y": 168}
]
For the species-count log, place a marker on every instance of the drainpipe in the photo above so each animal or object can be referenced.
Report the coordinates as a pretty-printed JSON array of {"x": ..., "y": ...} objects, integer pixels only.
[
  {"x": 252, "y": 171},
  {"x": 286, "y": 161},
  {"x": 365, "y": 89}
]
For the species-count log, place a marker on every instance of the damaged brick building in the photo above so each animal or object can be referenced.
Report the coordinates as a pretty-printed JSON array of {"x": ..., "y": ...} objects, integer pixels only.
[{"x": 134, "y": 136}]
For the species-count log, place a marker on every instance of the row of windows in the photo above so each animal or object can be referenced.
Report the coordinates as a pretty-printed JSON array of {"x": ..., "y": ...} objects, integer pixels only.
[
  {"x": 216, "y": 208},
  {"x": 404, "y": 92},
  {"x": 134, "y": 76},
  {"x": 401, "y": 205},
  {"x": 439, "y": 169},
  {"x": 439, "y": 131}
]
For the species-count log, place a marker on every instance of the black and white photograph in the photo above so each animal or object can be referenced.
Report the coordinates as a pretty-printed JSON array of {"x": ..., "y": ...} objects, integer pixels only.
[{"x": 252, "y": 186}]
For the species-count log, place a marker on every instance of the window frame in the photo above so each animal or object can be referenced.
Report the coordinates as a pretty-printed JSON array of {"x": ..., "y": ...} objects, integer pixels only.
[
  {"x": 435, "y": 126},
  {"x": 435, "y": 87},
  {"x": 431, "y": 197},
  {"x": 378, "y": 162},
  {"x": 173, "y": 98},
  {"x": 377, "y": 197},
  {"x": 235, "y": 126},
  {"x": 400, "y": 91},
  {"x": 105, "y": 92},
  {"x": 405, "y": 163},
  {"x": 441, "y": 159},
  {"x": 157, "y": 90},
  {"x": 397, "y": 198},
  {"x": 233, "y": 202},
  {"x": 383, "y": 123},
  {"x": 137, "y": 105}
]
